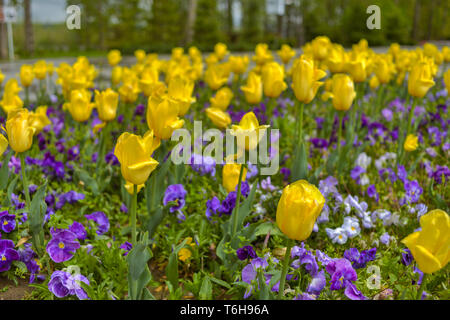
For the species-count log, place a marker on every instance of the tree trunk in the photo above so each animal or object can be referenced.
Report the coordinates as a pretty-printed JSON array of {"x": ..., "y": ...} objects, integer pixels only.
[
  {"x": 29, "y": 39},
  {"x": 3, "y": 39},
  {"x": 415, "y": 28},
  {"x": 192, "y": 14}
]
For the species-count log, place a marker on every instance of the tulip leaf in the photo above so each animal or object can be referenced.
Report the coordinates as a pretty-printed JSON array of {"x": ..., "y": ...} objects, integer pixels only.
[
  {"x": 246, "y": 206},
  {"x": 11, "y": 187},
  {"x": 172, "y": 266},
  {"x": 155, "y": 220},
  {"x": 87, "y": 180},
  {"x": 300, "y": 163},
  {"x": 155, "y": 186},
  {"x": 267, "y": 226},
  {"x": 205, "y": 292},
  {"x": 38, "y": 207},
  {"x": 4, "y": 171},
  {"x": 137, "y": 259}
]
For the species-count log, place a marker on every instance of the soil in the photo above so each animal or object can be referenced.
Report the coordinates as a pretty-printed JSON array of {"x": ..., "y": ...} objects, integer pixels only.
[{"x": 14, "y": 292}]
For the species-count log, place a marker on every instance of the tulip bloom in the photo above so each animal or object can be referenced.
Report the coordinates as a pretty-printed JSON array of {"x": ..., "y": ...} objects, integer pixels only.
[
  {"x": 20, "y": 130},
  {"x": 222, "y": 99},
  {"x": 286, "y": 53},
  {"x": 447, "y": 81},
  {"x": 149, "y": 80},
  {"x": 3, "y": 144},
  {"x": 2, "y": 77},
  {"x": 106, "y": 103},
  {"x": 357, "y": 68},
  {"x": 273, "y": 80},
  {"x": 253, "y": 89},
  {"x": 129, "y": 90},
  {"x": 180, "y": 90},
  {"x": 162, "y": 116},
  {"x": 40, "y": 69},
  {"x": 299, "y": 206},
  {"x": 140, "y": 55},
  {"x": 11, "y": 100},
  {"x": 220, "y": 50},
  {"x": 343, "y": 92},
  {"x": 430, "y": 246},
  {"x": 219, "y": 117},
  {"x": 114, "y": 57},
  {"x": 116, "y": 75},
  {"x": 26, "y": 75},
  {"x": 374, "y": 83},
  {"x": 39, "y": 119},
  {"x": 305, "y": 79},
  {"x": 411, "y": 143},
  {"x": 80, "y": 106},
  {"x": 215, "y": 76},
  {"x": 230, "y": 175},
  {"x": 250, "y": 130},
  {"x": 239, "y": 64},
  {"x": 134, "y": 154},
  {"x": 420, "y": 78}
]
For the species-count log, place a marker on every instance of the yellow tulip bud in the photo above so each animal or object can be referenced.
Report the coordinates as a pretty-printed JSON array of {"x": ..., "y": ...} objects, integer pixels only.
[
  {"x": 262, "y": 54},
  {"x": 114, "y": 57},
  {"x": 140, "y": 55},
  {"x": 239, "y": 64},
  {"x": 19, "y": 130},
  {"x": 253, "y": 89},
  {"x": 430, "y": 246},
  {"x": 39, "y": 119},
  {"x": 219, "y": 117},
  {"x": 411, "y": 143},
  {"x": 116, "y": 75},
  {"x": 220, "y": 50},
  {"x": 420, "y": 78},
  {"x": 286, "y": 53},
  {"x": 374, "y": 83},
  {"x": 149, "y": 79},
  {"x": 40, "y": 69},
  {"x": 177, "y": 53},
  {"x": 26, "y": 75},
  {"x": 222, "y": 98},
  {"x": 180, "y": 90},
  {"x": 2, "y": 77},
  {"x": 129, "y": 90},
  {"x": 230, "y": 175},
  {"x": 299, "y": 206},
  {"x": 215, "y": 76},
  {"x": 162, "y": 116},
  {"x": 305, "y": 76},
  {"x": 11, "y": 100},
  {"x": 106, "y": 102},
  {"x": 80, "y": 106},
  {"x": 320, "y": 46},
  {"x": 357, "y": 69},
  {"x": 383, "y": 70},
  {"x": 249, "y": 133},
  {"x": 273, "y": 80},
  {"x": 343, "y": 92},
  {"x": 447, "y": 80},
  {"x": 134, "y": 154}
]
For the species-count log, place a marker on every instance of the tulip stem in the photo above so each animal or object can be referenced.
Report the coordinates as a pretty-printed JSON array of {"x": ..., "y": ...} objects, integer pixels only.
[
  {"x": 340, "y": 124},
  {"x": 422, "y": 287},
  {"x": 133, "y": 215},
  {"x": 287, "y": 258},
  {"x": 300, "y": 130},
  {"x": 25, "y": 181},
  {"x": 238, "y": 199}
]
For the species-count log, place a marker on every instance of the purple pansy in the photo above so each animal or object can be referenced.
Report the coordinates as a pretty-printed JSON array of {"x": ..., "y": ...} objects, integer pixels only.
[
  {"x": 62, "y": 284},
  {"x": 101, "y": 219},
  {"x": 175, "y": 193},
  {"x": 341, "y": 270},
  {"x": 79, "y": 230},
  {"x": 212, "y": 207},
  {"x": 63, "y": 245},
  {"x": 7, "y": 222},
  {"x": 246, "y": 252},
  {"x": 7, "y": 254}
]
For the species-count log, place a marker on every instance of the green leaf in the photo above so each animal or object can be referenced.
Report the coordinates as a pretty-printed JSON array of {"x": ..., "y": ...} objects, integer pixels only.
[
  {"x": 265, "y": 227},
  {"x": 172, "y": 266},
  {"x": 220, "y": 282},
  {"x": 4, "y": 171},
  {"x": 87, "y": 180},
  {"x": 137, "y": 260},
  {"x": 206, "y": 289},
  {"x": 300, "y": 163}
]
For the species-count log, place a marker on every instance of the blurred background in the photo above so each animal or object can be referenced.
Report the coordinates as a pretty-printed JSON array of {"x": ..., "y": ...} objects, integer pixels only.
[{"x": 159, "y": 25}]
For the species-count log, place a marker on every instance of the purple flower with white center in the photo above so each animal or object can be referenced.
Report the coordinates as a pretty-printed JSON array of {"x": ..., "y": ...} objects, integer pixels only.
[
  {"x": 73, "y": 153},
  {"x": 246, "y": 252},
  {"x": 352, "y": 292},
  {"x": 385, "y": 238},
  {"x": 341, "y": 271},
  {"x": 203, "y": 165},
  {"x": 351, "y": 227},
  {"x": 7, "y": 254},
  {"x": 63, "y": 245},
  {"x": 413, "y": 191},
  {"x": 7, "y": 222},
  {"x": 338, "y": 235},
  {"x": 372, "y": 192},
  {"x": 266, "y": 185},
  {"x": 127, "y": 246},
  {"x": 101, "y": 220},
  {"x": 319, "y": 143},
  {"x": 175, "y": 193},
  {"x": 317, "y": 283},
  {"x": 323, "y": 258},
  {"x": 62, "y": 284},
  {"x": 79, "y": 230},
  {"x": 356, "y": 173},
  {"x": 212, "y": 207},
  {"x": 252, "y": 171},
  {"x": 328, "y": 185}
]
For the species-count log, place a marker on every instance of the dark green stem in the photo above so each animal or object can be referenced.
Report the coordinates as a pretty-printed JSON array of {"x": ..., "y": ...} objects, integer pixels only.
[
  {"x": 133, "y": 215},
  {"x": 238, "y": 199},
  {"x": 300, "y": 130},
  {"x": 25, "y": 181},
  {"x": 422, "y": 287},
  {"x": 287, "y": 258}
]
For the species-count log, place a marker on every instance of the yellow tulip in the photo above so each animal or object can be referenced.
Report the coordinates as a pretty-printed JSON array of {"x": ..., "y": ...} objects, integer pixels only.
[
  {"x": 162, "y": 116},
  {"x": 273, "y": 80},
  {"x": 149, "y": 79},
  {"x": 262, "y": 54},
  {"x": 305, "y": 76},
  {"x": 180, "y": 90},
  {"x": 253, "y": 89},
  {"x": 39, "y": 119},
  {"x": 411, "y": 143},
  {"x": 286, "y": 53},
  {"x": 343, "y": 92},
  {"x": 3, "y": 144},
  {"x": 383, "y": 71},
  {"x": 11, "y": 100},
  {"x": 230, "y": 175},
  {"x": 220, "y": 50},
  {"x": 20, "y": 131},
  {"x": 106, "y": 102},
  {"x": 357, "y": 68},
  {"x": 177, "y": 53},
  {"x": 116, "y": 75},
  {"x": 114, "y": 57},
  {"x": 239, "y": 64},
  {"x": 2, "y": 77},
  {"x": 447, "y": 80},
  {"x": 219, "y": 117},
  {"x": 320, "y": 46},
  {"x": 336, "y": 59},
  {"x": 250, "y": 130},
  {"x": 80, "y": 106},
  {"x": 129, "y": 90},
  {"x": 215, "y": 76},
  {"x": 446, "y": 53},
  {"x": 26, "y": 75},
  {"x": 134, "y": 154},
  {"x": 299, "y": 206},
  {"x": 420, "y": 78},
  {"x": 40, "y": 69},
  {"x": 140, "y": 55},
  {"x": 222, "y": 98},
  {"x": 374, "y": 83},
  {"x": 430, "y": 247},
  {"x": 50, "y": 68}
]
